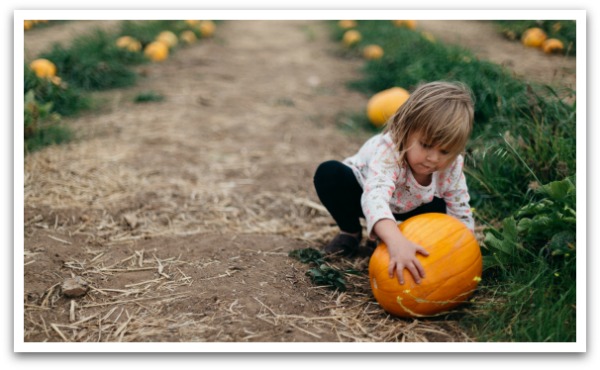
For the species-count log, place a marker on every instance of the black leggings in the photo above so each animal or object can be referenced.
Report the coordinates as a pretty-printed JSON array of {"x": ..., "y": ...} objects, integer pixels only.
[{"x": 340, "y": 193}]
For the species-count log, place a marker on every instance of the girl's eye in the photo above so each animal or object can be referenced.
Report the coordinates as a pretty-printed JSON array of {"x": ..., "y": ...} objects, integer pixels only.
[
  {"x": 444, "y": 152},
  {"x": 426, "y": 146}
]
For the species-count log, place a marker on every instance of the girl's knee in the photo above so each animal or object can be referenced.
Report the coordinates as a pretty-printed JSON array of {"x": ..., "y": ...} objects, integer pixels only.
[{"x": 327, "y": 170}]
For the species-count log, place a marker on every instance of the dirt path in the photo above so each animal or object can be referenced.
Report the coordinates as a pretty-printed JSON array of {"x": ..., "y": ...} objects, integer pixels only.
[
  {"x": 214, "y": 184},
  {"x": 180, "y": 214}
]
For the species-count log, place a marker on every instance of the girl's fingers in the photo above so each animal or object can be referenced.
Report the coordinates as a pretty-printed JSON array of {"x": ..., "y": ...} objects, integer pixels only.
[
  {"x": 419, "y": 268},
  {"x": 415, "y": 273},
  {"x": 400, "y": 275},
  {"x": 391, "y": 267},
  {"x": 422, "y": 250}
]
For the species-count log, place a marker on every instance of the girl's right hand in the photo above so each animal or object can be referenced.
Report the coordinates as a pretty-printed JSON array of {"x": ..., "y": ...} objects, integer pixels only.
[
  {"x": 403, "y": 255},
  {"x": 403, "y": 252}
]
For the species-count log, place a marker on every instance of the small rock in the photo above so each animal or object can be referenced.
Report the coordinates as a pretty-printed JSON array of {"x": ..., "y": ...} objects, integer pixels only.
[
  {"x": 74, "y": 287},
  {"x": 131, "y": 220}
]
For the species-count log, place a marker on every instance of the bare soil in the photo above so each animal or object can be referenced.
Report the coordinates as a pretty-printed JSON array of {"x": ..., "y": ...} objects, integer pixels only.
[{"x": 180, "y": 214}]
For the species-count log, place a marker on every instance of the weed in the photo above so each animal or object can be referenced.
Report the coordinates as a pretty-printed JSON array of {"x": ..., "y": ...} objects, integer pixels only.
[
  {"x": 148, "y": 96},
  {"x": 322, "y": 273}
]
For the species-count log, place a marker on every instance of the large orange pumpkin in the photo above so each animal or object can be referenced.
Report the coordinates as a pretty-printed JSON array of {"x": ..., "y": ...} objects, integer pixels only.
[{"x": 452, "y": 269}]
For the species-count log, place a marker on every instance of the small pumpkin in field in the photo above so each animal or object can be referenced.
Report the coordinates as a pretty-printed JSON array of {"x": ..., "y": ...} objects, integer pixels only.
[
  {"x": 384, "y": 104},
  {"x": 207, "y": 28},
  {"x": 129, "y": 43},
  {"x": 157, "y": 51},
  {"x": 410, "y": 24},
  {"x": 43, "y": 68},
  {"x": 534, "y": 37},
  {"x": 552, "y": 46},
  {"x": 188, "y": 37},
  {"x": 346, "y": 24},
  {"x": 452, "y": 269},
  {"x": 351, "y": 37},
  {"x": 373, "y": 52},
  {"x": 167, "y": 37}
]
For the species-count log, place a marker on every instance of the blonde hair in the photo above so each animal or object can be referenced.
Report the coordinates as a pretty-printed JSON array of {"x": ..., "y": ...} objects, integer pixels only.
[{"x": 441, "y": 112}]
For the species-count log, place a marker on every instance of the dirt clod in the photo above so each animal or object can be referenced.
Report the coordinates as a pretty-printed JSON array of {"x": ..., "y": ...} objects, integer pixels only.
[{"x": 74, "y": 287}]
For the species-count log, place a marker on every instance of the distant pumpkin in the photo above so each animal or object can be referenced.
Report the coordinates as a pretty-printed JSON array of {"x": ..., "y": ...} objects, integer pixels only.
[
  {"x": 552, "y": 46},
  {"x": 384, "y": 104},
  {"x": 157, "y": 51},
  {"x": 373, "y": 52},
  {"x": 410, "y": 24},
  {"x": 43, "y": 68},
  {"x": 167, "y": 37},
  {"x": 129, "y": 43},
  {"x": 207, "y": 28},
  {"x": 188, "y": 37},
  {"x": 351, "y": 38},
  {"x": 534, "y": 37},
  {"x": 345, "y": 24},
  {"x": 452, "y": 269}
]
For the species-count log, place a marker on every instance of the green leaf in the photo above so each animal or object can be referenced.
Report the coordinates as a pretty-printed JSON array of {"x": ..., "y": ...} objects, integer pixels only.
[
  {"x": 560, "y": 190},
  {"x": 561, "y": 243},
  {"x": 307, "y": 255}
]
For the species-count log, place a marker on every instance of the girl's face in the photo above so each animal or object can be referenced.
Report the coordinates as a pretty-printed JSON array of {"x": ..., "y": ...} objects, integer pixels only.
[{"x": 425, "y": 159}]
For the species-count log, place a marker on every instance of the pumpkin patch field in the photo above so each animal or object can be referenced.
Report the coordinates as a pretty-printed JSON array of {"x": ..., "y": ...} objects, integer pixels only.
[{"x": 177, "y": 204}]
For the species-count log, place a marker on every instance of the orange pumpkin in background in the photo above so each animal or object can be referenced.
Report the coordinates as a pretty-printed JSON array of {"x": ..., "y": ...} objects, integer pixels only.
[
  {"x": 534, "y": 37},
  {"x": 157, "y": 51},
  {"x": 552, "y": 46},
  {"x": 43, "y": 68},
  {"x": 373, "y": 52},
  {"x": 351, "y": 37},
  {"x": 384, "y": 104},
  {"x": 452, "y": 269}
]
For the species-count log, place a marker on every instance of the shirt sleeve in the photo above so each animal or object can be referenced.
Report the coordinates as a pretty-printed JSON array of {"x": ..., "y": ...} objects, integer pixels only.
[
  {"x": 379, "y": 185},
  {"x": 456, "y": 194}
]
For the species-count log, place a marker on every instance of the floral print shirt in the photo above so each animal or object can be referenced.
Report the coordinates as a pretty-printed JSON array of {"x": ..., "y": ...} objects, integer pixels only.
[{"x": 389, "y": 187}]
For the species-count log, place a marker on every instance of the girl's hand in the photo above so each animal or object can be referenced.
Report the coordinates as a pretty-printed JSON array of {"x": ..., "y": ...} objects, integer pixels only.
[
  {"x": 403, "y": 255},
  {"x": 403, "y": 252}
]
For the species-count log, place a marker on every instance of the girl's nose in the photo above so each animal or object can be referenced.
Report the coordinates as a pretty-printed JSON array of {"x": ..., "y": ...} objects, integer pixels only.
[{"x": 433, "y": 155}]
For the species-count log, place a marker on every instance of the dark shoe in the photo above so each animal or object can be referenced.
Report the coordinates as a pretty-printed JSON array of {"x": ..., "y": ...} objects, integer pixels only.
[
  {"x": 368, "y": 249},
  {"x": 372, "y": 244},
  {"x": 343, "y": 244}
]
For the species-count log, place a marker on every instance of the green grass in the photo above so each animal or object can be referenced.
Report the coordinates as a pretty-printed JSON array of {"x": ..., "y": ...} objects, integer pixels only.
[
  {"x": 91, "y": 62},
  {"x": 45, "y": 104},
  {"x": 94, "y": 62},
  {"x": 47, "y": 135},
  {"x": 520, "y": 167},
  {"x": 148, "y": 96}
]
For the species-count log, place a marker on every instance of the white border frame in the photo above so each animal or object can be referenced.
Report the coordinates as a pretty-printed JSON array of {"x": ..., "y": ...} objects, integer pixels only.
[{"x": 578, "y": 346}]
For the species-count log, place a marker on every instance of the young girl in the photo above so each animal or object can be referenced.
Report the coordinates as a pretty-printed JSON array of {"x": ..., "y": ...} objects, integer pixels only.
[{"x": 414, "y": 166}]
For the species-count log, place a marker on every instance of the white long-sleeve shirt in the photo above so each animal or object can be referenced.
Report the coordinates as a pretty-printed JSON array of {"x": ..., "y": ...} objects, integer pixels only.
[{"x": 390, "y": 187}]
